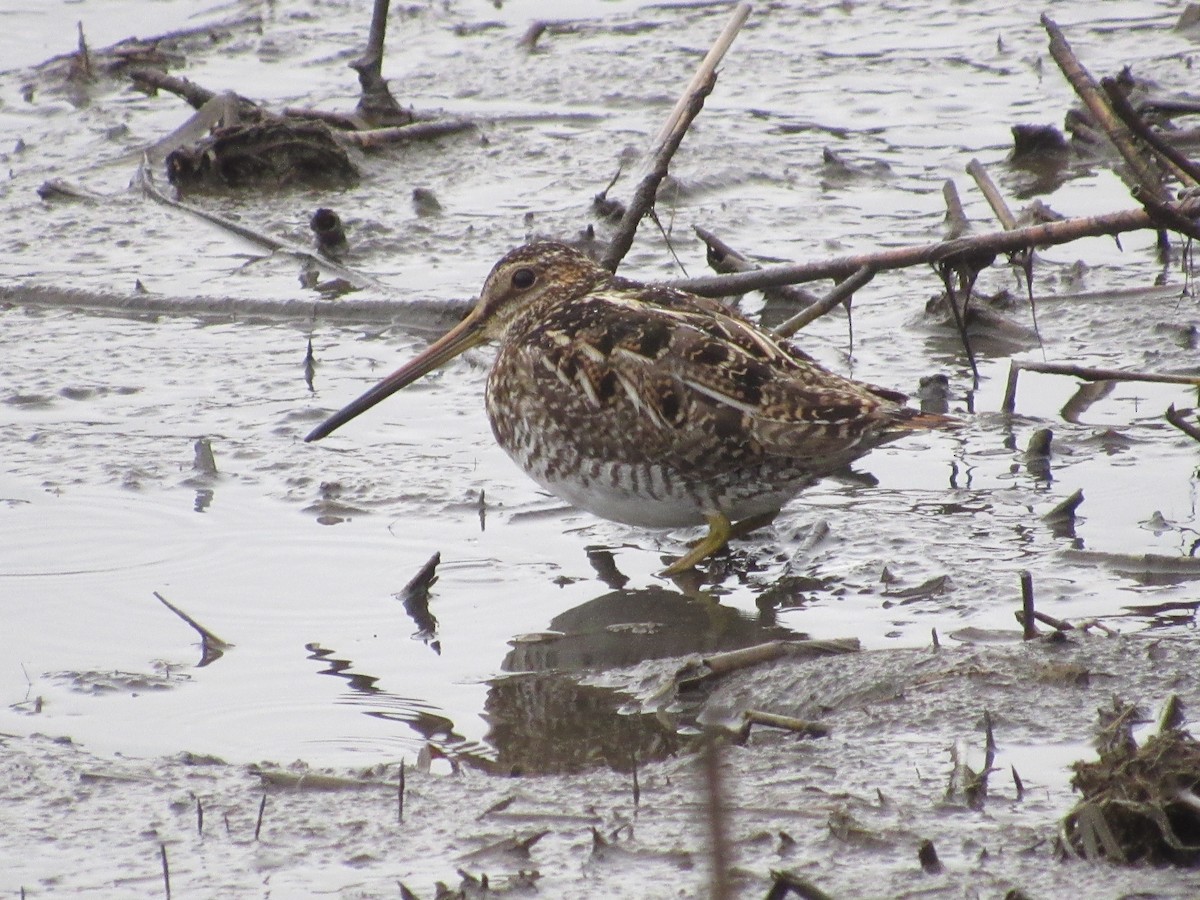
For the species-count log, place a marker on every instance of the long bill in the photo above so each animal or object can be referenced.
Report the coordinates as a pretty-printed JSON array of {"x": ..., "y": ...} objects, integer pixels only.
[{"x": 466, "y": 334}]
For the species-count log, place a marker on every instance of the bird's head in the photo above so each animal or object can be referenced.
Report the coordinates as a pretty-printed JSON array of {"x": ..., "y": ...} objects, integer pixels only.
[{"x": 520, "y": 291}]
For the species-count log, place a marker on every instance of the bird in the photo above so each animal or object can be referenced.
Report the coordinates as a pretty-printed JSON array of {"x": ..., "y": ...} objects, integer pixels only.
[{"x": 651, "y": 406}]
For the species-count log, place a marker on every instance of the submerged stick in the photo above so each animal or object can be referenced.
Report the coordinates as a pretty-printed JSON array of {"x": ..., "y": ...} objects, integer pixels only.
[
  {"x": 957, "y": 223},
  {"x": 1175, "y": 417},
  {"x": 669, "y": 138},
  {"x": 928, "y": 858},
  {"x": 718, "y": 833},
  {"x": 166, "y": 870},
  {"x": 1045, "y": 234},
  {"x": 404, "y": 134},
  {"x": 400, "y": 794},
  {"x": 784, "y": 883},
  {"x": 376, "y": 104},
  {"x": 262, "y": 807},
  {"x": 206, "y": 636},
  {"x": 1055, "y": 623},
  {"x": 1027, "y": 611}
]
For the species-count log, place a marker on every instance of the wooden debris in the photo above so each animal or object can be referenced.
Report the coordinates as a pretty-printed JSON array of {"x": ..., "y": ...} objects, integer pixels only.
[
  {"x": 212, "y": 647},
  {"x": 1064, "y": 512},
  {"x": 1139, "y": 802},
  {"x": 268, "y": 153},
  {"x": 1097, "y": 105},
  {"x": 784, "y": 884},
  {"x": 1178, "y": 418},
  {"x": 376, "y": 105},
  {"x": 1027, "y": 616},
  {"x": 327, "y": 228},
  {"x": 669, "y": 138},
  {"x": 150, "y": 188},
  {"x": 927, "y": 856},
  {"x": 415, "y": 597},
  {"x": 1041, "y": 235},
  {"x": 841, "y": 293},
  {"x": 1088, "y": 373},
  {"x": 725, "y": 259},
  {"x": 803, "y": 727}
]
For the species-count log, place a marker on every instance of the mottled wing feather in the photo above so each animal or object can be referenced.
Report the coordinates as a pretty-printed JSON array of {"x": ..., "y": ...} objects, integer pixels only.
[{"x": 689, "y": 377}]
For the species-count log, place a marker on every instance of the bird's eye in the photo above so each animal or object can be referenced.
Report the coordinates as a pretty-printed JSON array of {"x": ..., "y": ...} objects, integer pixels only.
[{"x": 523, "y": 279}]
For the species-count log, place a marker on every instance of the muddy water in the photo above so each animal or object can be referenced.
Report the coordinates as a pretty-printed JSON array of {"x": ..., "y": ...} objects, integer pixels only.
[{"x": 295, "y": 554}]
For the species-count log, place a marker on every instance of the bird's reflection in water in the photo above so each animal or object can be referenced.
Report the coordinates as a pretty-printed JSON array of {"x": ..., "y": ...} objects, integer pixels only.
[{"x": 542, "y": 719}]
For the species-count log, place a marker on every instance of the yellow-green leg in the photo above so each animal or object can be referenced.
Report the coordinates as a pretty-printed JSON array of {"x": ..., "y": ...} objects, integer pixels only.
[{"x": 720, "y": 532}]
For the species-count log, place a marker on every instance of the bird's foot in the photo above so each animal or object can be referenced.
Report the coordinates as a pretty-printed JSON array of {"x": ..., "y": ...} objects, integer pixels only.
[{"x": 720, "y": 532}]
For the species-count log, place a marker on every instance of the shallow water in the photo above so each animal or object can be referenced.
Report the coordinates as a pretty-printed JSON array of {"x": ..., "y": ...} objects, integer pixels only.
[{"x": 295, "y": 553}]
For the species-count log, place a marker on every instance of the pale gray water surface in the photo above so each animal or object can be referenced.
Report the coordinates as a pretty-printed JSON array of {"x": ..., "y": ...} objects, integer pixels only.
[{"x": 294, "y": 552}]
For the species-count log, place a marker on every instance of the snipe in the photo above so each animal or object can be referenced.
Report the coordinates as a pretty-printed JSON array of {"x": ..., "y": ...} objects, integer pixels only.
[{"x": 651, "y": 406}]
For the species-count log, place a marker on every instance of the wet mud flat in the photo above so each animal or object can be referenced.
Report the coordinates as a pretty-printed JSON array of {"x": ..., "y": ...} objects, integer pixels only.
[
  {"x": 159, "y": 375},
  {"x": 880, "y": 807}
]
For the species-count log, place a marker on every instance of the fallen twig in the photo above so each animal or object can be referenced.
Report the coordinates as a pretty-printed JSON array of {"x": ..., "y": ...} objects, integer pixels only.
[
  {"x": 1056, "y": 624},
  {"x": 1138, "y": 563},
  {"x": 1022, "y": 257},
  {"x": 732, "y": 660},
  {"x": 695, "y": 674},
  {"x": 1041, "y": 235},
  {"x": 195, "y": 95},
  {"x": 804, "y": 727},
  {"x": 1088, "y": 373},
  {"x": 402, "y": 134},
  {"x": 145, "y": 179},
  {"x": 59, "y": 188},
  {"x": 841, "y": 293},
  {"x": 316, "y": 781},
  {"x": 1164, "y": 214}
]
